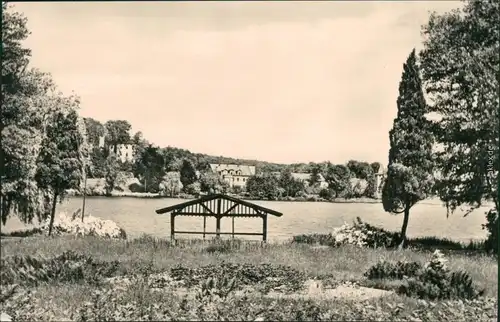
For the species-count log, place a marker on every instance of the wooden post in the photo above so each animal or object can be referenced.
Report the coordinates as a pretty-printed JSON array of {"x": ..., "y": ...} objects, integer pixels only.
[
  {"x": 264, "y": 228},
  {"x": 217, "y": 219},
  {"x": 217, "y": 226},
  {"x": 204, "y": 225},
  {"x": 172, "y": 227},
  {"x": 233, "y": 227}
]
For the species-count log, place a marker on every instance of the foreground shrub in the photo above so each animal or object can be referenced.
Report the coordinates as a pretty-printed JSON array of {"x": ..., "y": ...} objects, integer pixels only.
[
  {"x": 68, "y": 267},
  {"x": 322, "y": 239},
  {"x": 438, "y": 282},
  {"x": 390, "y": 270},
  {"x": 91, "y": 226},
  {"x": 24, "y": 233},
  {"x": 223, "y": 246},
  {"x": 433, "y": 281},
  {"x": 359, "y": 234}
]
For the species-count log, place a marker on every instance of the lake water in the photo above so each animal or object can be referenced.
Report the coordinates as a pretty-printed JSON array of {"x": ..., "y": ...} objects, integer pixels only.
[{"x": 137, "y": 216}]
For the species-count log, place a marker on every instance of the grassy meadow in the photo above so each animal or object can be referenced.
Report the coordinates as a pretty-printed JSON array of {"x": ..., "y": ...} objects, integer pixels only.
[{"x": 79, "y": 299}]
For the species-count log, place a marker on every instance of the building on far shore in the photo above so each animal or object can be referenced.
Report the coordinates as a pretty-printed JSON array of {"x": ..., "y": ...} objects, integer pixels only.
[
  {"x": 124, "y": 152},
  {"x": 235, "y": 175}
]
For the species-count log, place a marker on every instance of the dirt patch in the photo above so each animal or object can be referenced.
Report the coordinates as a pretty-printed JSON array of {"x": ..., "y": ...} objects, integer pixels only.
[
  {"x": 359, "y": 293},
  {"x": 314, "y": 290}
]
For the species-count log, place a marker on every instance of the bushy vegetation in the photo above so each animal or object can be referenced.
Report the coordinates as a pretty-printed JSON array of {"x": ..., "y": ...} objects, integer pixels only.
[
  {"x": 393, "y": 270},
  {"x": 436, "y": 281},
  {"x": 69, "y": 267},
  {"x": 77, "y": 287},
  {"x": 359, "y": 234},
  {"x": 362, "y": 234},
  {"x": 432, "y": 281}
]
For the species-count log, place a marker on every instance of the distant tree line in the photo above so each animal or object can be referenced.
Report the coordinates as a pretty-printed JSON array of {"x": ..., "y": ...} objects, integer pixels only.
[{"x": 171, "y": 171}]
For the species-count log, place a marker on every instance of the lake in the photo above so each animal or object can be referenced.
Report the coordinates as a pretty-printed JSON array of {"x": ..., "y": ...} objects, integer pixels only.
[{"x": 137, "y": 216}]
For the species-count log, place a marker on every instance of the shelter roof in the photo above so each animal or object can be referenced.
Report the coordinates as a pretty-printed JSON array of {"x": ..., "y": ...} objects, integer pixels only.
[{"x": 219, "y": 205}]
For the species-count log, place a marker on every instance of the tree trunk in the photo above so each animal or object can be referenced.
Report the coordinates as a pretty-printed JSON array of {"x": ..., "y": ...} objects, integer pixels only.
[
  {"x": 404, "y": 227},
  {"x": 84, "y": 195},
  {"x": 4, "y": 208},
  {"x": 52, "y": 213}
]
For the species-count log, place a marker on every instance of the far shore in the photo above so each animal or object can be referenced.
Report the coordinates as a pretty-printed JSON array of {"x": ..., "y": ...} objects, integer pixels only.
[{"x": 363, "y": 200}]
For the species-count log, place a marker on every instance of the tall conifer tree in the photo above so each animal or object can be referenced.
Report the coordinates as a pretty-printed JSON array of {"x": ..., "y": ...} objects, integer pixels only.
[{"x": 409, "y": 176}]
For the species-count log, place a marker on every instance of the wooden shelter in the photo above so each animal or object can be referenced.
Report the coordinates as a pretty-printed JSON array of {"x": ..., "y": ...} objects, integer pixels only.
[{"x": 218, "y": 206}]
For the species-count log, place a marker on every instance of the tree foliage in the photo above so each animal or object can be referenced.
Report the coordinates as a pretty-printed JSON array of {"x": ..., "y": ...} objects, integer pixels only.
[
  {"x": 30, "y": 104},
  {"x": 95, "y": 130},
  {"x": 117, "y": 132},
  {"x": 409, "y": 177},
  {"x": 60, "y": 162},
  {"x": 111, "y": 173},
  {"x": 290, "y": 187},
  {"x": 460, "y": 69},
  {"x": 264, "y": 186},
  {"x": 361, "y": 170},
  {"x": 338, "y": 178},
  {"x": 149, "y": 167},
  {"x": 357, "y": 187},
  {"x": 212, "y": 183},
  {"x": 171, "y": 184},
  {"x": 188, "y": 173},
  {"x": 315, "y": 175},
  {"x": 15, "y": 57}
]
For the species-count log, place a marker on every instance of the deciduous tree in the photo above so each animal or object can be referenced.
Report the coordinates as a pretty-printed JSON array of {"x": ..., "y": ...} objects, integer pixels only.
[
  {"x": 117, "y": 132},
  {"x": 171, "y": 184},
  {"x": 338, "y": 178},
  {"x": 149, "y": 167},
  {"x": 95, "y": 130},
  {"x": 111, "y": 173},
  {"x": 360, "y": 169},
  {"x": 460, "y": 68},
  {"x": 188, "y": 173},
  {"x": 290, "y": 185},
  {"x": 21, "y": 121},
  {"x": 315, "y": 175},
  {"x": 60, "y": 162},
  {"x": 212, "y": 183},
  {"x": 265, "y": 186}
]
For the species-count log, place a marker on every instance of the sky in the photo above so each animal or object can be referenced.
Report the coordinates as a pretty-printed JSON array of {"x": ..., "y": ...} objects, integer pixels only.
[{"x": 283, "y": 82}]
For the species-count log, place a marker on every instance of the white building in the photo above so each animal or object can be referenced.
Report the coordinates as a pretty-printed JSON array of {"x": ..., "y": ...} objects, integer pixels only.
[
  {"x": 124, "y": 152},
  {"x": 101, "y": 141},
  {"x": 234, "y": 175}
]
